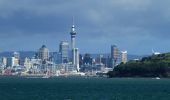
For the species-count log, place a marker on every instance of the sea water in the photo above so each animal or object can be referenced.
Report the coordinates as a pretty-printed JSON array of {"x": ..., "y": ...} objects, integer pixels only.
[{"x": 83, "y": 88}]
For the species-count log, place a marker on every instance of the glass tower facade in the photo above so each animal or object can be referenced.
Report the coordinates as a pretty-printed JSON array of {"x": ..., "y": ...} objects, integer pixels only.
[{"x": 64, "y": 50}]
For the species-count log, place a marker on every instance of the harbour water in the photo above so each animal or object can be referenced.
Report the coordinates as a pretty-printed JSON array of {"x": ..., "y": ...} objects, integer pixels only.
[{"x": 83, "y": 88}]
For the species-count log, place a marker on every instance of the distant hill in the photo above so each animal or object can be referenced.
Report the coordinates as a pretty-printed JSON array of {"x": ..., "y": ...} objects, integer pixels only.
[
  {"x": 30, "y": 54},
  {"x": 23, "y": 54},
  {"x": 130, "y": 56},
  {"x": 151, "y": 66}
]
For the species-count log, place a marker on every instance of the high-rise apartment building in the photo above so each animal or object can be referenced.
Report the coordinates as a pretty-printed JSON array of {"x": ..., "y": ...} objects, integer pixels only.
[
  {"x": 124, "y": 56},
  {"x": 114, "y": 55}
]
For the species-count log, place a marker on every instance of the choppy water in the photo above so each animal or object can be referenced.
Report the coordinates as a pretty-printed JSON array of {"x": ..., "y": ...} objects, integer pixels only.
[{"x": 79, "y": 88}]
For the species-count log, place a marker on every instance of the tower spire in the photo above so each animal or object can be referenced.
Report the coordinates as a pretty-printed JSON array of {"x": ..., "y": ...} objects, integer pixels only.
[
  {"x": 73, "y": 21},
  {"x": 73, "y": 27}
]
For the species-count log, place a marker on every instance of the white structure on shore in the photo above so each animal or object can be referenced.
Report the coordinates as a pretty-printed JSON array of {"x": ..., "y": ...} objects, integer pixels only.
[{"x": 155, "y": 53}]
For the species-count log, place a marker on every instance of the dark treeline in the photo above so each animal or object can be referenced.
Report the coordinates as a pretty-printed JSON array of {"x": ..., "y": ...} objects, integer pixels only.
[{"x": 152, "y": 66}]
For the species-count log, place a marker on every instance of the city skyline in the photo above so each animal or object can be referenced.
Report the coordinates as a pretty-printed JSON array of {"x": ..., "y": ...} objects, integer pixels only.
[{"x": 136, "y": 26}]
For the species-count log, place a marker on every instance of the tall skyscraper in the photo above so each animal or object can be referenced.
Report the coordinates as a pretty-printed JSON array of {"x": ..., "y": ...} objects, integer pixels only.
[
  {"x": 43, "y": 53},
  {"x": 114, "y": 55},
  {"x": 64, "y": 50},
  {"x": 124, "y": 56}
]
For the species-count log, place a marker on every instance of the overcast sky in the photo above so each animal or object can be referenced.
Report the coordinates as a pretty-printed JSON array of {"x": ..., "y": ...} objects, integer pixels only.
[{"x": 133, "y": 25}]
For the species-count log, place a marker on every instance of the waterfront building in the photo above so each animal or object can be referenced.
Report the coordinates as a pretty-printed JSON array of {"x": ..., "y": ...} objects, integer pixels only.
[
  {"x": 64, "y": 50},
  {"x": 124, "y": 57},
  {"x": 114, "y": 55},
  {"x": 27, "y": 63},
  {"x": 87, "y": 59},
  {"x": 4, "y": 61},
  {"x": 34, "y": 65},
  {"x": 43, "y": 53},
  {"x": 12, "y": 61}
]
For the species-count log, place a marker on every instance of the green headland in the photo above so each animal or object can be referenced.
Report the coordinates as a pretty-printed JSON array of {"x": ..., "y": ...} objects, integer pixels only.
[{"x": 151, "y": 66}]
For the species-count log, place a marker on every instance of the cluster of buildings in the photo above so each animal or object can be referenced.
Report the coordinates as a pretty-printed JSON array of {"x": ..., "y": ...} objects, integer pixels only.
[
  {"x": 117, "y": 56},
  {"x": 67, "y": 61}
]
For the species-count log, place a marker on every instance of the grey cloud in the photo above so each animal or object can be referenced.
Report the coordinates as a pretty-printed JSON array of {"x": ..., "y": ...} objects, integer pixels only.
[{"x": 121, "y": 21}]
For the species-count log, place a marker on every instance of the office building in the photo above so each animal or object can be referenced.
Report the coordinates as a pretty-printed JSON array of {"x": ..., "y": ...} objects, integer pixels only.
[
  {"x": 43, "y": 53},
  {"x": 76, "y": 59},
  {"x": 12, "y": 61},
  {"x": 64, "y": 50},
  {"x": 57, "y": 57}
]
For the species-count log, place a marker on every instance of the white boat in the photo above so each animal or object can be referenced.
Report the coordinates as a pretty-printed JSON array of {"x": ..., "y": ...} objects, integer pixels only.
[
  {"x": 157, "y": 78},
  {"x": 46, "y": 76},
  {"x": 57, "y": 73}
]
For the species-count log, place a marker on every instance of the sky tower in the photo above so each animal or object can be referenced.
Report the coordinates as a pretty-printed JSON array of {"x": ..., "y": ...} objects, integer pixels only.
[
  {"x": 75, "y": 51},
  {"x": 73, "y": 35}
]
